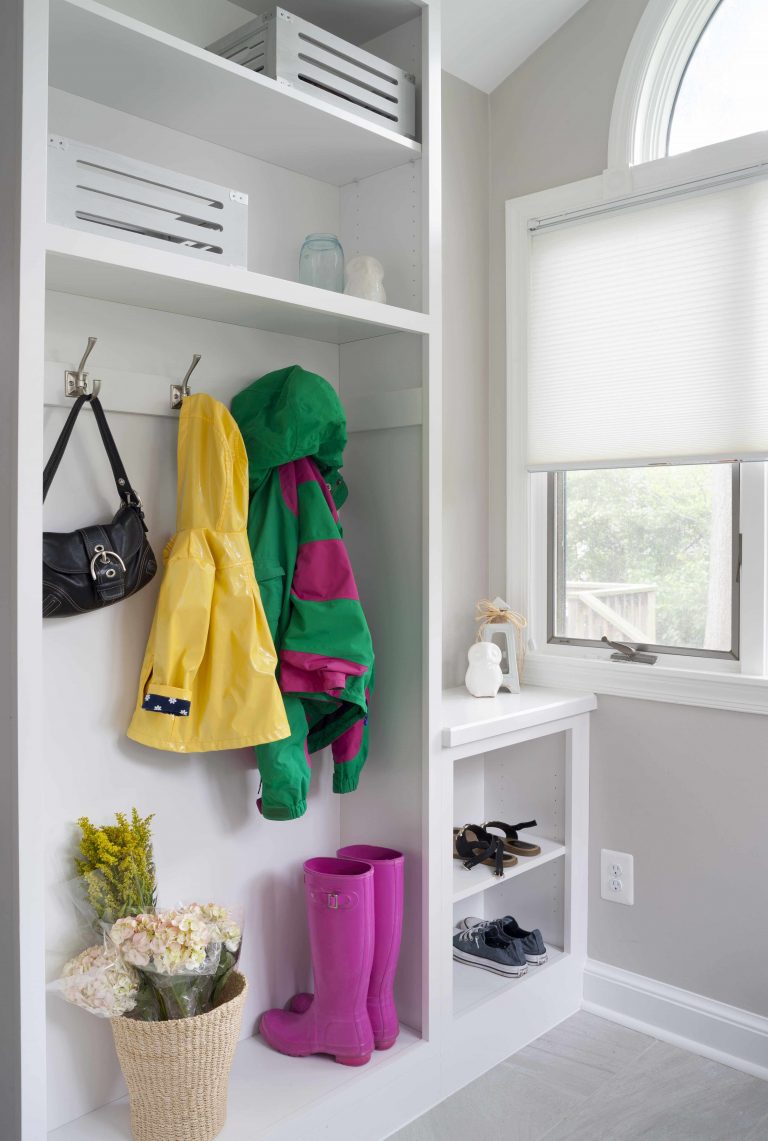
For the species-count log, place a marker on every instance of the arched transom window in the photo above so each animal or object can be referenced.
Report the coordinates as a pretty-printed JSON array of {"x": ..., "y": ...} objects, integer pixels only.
[
  {"x": 723, "y": 93},
  {"x": 696, "y": 74}
]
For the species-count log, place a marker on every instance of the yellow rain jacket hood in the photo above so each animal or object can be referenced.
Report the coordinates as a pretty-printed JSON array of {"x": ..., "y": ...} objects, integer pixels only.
[{"x": 208, "y": 679}]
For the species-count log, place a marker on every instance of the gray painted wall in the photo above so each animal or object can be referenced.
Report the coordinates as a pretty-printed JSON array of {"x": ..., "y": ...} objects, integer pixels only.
[{"x": 683, "y": 789}]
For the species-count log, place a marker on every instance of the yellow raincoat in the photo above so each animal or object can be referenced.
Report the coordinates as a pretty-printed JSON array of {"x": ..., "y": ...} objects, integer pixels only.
[{"x": 208, "y": 679}]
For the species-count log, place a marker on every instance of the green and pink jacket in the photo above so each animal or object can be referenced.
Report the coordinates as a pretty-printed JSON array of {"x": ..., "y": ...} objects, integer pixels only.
[{"x": 295, "y": 431}]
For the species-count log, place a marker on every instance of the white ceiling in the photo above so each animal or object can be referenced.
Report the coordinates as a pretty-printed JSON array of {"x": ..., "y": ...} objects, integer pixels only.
[{"x": 485, "y": 41}]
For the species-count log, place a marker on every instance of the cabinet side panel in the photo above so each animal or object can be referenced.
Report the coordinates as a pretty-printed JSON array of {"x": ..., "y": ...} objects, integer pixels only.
[
  {"x": 22, "y": 178},
  {"x": 10, "y": 137}
]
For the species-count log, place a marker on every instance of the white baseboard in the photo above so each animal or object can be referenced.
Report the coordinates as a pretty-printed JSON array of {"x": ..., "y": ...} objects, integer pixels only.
[{"x": 713, "y": 1029}]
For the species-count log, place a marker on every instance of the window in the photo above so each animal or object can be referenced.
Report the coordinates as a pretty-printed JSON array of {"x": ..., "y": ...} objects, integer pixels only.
[
  {"x": 694, "y": 76},
  {"x": 646, "y": 356},
  {"x": 637, "y": 425},
  {"x": 724, "y": 89},
  {"x": 647, "y": 556}
]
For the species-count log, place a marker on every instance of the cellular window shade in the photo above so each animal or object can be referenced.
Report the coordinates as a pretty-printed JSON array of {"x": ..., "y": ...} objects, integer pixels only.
[{"x": 648, "y": 333}]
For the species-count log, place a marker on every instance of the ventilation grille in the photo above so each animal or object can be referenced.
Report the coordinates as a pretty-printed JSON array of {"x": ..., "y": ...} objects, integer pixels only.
[
  {"x": 96, "y": 190},
  {"x": 296, "y": 53}
]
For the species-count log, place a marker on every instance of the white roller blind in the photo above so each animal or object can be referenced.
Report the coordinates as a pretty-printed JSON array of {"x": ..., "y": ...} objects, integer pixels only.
[{"x": 648, "y": 333}]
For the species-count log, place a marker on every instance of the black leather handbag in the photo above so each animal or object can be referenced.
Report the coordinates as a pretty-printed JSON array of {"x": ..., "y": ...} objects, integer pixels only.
[{"x": 99, "y": 565}]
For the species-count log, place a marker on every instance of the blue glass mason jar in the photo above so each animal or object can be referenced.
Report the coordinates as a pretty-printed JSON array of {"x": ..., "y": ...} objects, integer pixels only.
[{"x": 321, "y": 262}]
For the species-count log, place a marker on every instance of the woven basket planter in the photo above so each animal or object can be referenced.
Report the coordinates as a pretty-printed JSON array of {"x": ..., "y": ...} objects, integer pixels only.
[{"x": 177, "y": 1072}]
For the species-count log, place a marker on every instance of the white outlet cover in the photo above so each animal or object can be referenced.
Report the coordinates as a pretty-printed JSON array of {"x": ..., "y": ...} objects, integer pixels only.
[{"x": 617, "y": 877}]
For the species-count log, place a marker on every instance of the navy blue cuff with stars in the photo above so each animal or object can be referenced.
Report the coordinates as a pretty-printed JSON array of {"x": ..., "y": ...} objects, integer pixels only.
[{"x": 176, "y": 706}]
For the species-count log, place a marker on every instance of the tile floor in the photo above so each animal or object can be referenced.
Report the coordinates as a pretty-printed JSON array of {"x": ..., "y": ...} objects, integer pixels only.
[{"x": 590, "y": 1080}]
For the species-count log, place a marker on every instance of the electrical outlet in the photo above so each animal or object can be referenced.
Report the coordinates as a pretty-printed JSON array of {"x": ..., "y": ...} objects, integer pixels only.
[{"x": 617, "y": 876}]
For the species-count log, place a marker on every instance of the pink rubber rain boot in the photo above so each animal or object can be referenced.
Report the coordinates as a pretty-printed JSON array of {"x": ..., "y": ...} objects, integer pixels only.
[
  {"x": 339, "y": 897},
  {"x": 388, "y": 865}
]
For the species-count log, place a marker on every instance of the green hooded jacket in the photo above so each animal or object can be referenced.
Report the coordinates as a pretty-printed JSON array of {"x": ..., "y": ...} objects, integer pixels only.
[{"x": 295, "y": 431}]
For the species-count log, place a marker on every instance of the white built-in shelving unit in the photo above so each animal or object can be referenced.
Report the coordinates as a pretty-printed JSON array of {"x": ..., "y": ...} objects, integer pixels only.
[
  {"x": 134, "y": 76},
  {"x": 517, "y": 757}
]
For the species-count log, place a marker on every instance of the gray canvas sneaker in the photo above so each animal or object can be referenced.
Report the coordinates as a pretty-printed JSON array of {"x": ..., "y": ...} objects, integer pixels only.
[
  {"x": 487, "y": 947},
  {"x": 530, "y": 943}
]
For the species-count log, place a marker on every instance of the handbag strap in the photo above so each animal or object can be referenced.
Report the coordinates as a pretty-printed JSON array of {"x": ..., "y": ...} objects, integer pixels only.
[{"x": 123, "y": 484}]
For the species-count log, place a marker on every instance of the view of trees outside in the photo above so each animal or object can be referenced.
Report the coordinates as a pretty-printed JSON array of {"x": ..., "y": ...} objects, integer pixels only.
[{"x": 648, "y": 555}]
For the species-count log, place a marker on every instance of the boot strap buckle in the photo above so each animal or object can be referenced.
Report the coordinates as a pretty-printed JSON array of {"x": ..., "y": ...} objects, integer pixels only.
[{"x": 334, "y": 900}]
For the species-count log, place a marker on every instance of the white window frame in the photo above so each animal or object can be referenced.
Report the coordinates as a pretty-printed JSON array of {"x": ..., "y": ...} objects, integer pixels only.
[
  {"x": 664, "y": 41},
  {"x": 741, "y": 685}
]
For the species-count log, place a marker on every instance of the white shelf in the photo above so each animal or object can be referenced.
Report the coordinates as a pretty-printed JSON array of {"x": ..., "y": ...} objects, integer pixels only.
[
  {"x": 481, "y": 878},
  {"x": 99, "y": 54},
  {"x": 473, "y": 986},
  {"x": 266, "y": 1090},
  {"x": 468, "y": 720},
  {"x": 94, "y": 266}
]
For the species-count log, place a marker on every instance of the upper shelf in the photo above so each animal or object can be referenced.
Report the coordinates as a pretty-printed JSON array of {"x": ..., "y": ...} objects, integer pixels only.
[
  {"x": 468, "y": 719},
  {"x": 113, "y": 270},
  {"x": 98, "y": 53}
]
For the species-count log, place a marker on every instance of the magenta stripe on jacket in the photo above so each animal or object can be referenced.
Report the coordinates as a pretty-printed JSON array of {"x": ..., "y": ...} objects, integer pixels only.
[
  {"x": 314, "y": 673},
  {"x": 302, "y": 471},
  {"x": 346, "y": 747},
  {"x": 323, "y": 572}
]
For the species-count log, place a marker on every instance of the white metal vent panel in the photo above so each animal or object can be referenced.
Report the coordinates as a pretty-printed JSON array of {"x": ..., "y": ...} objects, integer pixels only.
[
  {"x": 106, "y": 193},
  {"x": 299, "y": 54}
]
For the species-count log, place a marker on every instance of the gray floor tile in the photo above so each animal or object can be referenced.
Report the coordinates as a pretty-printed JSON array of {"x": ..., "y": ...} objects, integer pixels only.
[
  {"x": 591, "y": 1080},
  {"x": 503, "y": 1101},
  {"x": 669, "y": 1095},
  {"x": 581, "y": 1054}
]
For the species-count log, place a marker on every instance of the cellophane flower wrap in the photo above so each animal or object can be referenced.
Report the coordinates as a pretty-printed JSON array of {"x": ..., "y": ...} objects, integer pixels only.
[
  {"x": 152, "y": 965},
  {"x": 100, "y": 981},
  {"x": 183, "y": 957}
]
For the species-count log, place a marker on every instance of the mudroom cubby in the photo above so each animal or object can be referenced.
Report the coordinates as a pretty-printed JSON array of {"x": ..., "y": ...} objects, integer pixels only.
[{"x": 135, "y": 79}]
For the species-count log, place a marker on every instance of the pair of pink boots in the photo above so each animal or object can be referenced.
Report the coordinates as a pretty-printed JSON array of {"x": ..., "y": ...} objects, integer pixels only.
[{"x": 355, "y": 913}]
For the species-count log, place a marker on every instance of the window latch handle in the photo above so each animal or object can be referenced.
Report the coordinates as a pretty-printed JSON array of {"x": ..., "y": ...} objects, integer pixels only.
[{"x": 625, "y": 653}]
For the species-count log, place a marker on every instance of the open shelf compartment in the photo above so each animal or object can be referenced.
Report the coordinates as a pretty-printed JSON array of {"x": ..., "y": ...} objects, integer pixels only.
[
  {"x": 474, "y": 987},
  {"x": 97, "y": 53},
  {"x": 113, "y": 270}
]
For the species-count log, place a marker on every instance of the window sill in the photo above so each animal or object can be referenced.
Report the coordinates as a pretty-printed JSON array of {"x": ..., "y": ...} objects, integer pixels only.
[{"x": 742, "y": 692}]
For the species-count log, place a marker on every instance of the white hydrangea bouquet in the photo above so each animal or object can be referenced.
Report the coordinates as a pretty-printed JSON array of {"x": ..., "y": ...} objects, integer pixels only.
[{"x": 152, "y": 965}]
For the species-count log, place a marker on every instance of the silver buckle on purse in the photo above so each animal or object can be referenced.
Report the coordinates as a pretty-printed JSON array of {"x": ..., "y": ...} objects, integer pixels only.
[{"x": 103, "y": 554}]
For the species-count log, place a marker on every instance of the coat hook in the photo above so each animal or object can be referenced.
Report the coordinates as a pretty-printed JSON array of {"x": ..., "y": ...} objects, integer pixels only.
[
  {"x": 76, "y": 380},
  {"x": 179, "y": 391}
]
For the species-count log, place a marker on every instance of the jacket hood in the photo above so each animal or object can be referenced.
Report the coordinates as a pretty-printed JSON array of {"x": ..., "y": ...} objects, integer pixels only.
[
  {"x": 288, "y": 415},
  {"x": 212, "y": 490}
]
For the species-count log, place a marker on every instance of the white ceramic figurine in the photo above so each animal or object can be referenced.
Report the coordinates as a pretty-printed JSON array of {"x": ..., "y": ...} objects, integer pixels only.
[
  {"x": 484, "y": 676},
  {"x": 364, "y": 277}
]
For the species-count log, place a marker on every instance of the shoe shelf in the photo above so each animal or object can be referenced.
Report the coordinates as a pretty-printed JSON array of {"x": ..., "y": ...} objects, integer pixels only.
[
  {"x": 481, "y": 878},
  {"x": 473, "y": 987},
  {"x": 473, "y": 724},
  {"x": 97, "y": 53},
  {"x": 90, "y": 265},
  {"x": 269, "y": 1095}
]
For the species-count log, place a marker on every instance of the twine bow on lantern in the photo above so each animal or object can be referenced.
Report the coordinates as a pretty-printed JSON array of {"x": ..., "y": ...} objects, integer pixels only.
[{"x": 495, "y": 614}]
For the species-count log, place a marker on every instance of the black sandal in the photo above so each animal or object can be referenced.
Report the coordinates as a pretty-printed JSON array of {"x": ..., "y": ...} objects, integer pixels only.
[
  {"x": 510, "y": 840},
  {"x": 473, "y": 845}
]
